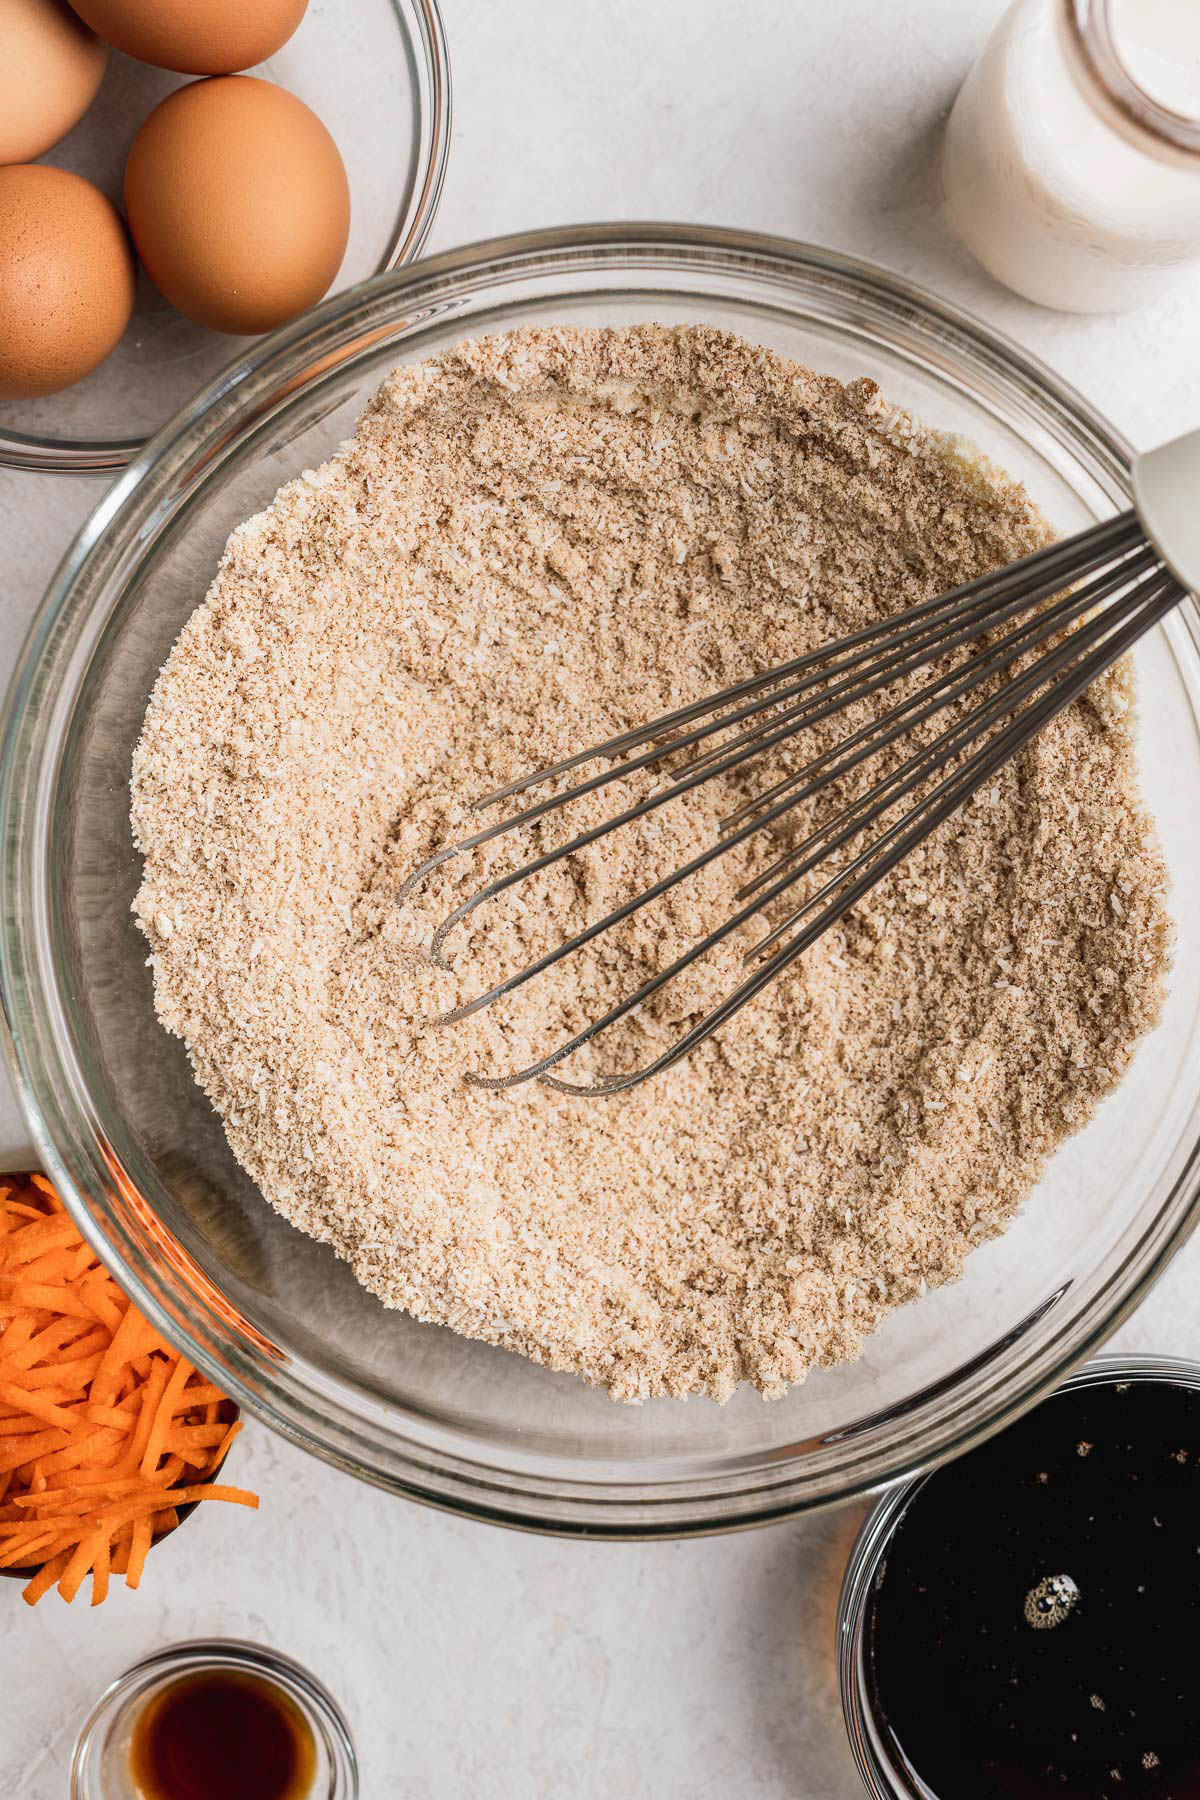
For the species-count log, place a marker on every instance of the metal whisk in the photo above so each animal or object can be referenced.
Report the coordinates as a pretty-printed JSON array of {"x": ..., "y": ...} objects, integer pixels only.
[{"x": 1064, "y": 615}]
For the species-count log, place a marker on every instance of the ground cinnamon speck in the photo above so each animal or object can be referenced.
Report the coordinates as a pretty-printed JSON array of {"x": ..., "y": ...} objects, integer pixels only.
[{"x": 535, "y": 541}]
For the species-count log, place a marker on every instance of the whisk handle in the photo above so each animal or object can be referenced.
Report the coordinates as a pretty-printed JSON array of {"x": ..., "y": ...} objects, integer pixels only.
[{"x": 1166, "y": 491}]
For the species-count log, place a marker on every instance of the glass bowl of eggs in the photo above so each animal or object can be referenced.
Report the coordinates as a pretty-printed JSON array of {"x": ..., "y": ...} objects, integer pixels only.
[{"x": 179, "y": 179}]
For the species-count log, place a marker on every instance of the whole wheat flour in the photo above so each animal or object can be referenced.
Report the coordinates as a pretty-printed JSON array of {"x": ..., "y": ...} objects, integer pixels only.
[{"x": 533, "y": 542}]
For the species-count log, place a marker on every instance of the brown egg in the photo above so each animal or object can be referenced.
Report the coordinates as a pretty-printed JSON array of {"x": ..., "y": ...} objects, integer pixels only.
[
  {"x": 66, "y": 279},
  {"x": 199, "y": 37},
  {"x": 238, "y": 203},
  {"x": 50, "y": 68}
]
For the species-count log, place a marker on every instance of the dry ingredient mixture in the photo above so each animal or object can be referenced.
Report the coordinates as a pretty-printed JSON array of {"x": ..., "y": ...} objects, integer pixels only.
[{"x": 535, "y": 541}]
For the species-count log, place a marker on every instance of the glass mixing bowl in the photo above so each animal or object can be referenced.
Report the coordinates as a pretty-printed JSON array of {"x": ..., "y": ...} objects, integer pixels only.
[
  {"x": 381, "y": 83},
  {"x": 140, "y": 1157}
]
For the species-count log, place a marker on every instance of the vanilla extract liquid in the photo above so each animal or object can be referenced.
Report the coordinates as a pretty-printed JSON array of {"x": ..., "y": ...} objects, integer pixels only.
[{"x": 1034, "y": 1630}]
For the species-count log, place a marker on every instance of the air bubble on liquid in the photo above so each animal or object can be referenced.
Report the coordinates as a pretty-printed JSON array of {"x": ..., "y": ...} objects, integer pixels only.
[{"x": 1049, "y": 1602}]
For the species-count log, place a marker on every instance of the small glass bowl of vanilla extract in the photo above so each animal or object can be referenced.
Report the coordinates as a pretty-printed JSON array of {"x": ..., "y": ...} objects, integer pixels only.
[
  {"x": 216, "y": 1719},
  {"x": 1022, "y": 1623}
]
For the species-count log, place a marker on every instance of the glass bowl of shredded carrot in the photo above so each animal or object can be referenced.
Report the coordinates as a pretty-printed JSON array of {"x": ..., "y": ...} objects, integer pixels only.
[{"x": 108, "y": 1436}]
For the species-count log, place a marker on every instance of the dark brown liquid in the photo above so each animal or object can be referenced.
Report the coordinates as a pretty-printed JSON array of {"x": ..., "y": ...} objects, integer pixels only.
[
  {"x": 222, "y": 1736},
  {"x": 1033, "y": 1633}
]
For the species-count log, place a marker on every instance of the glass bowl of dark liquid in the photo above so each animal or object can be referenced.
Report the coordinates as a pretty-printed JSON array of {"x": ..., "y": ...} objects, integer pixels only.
[
  {"x": 1023, "y": 1623},
  {"x": 215, "y": 1719}
]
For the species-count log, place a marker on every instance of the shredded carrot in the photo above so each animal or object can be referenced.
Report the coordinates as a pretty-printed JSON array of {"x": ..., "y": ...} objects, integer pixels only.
[
  {"x": 201, "y": 1393},
  {"x": 122, "y": 1346},
  {"x": 16, "y": 1425},
  {"x": 195, "y": 1437},
  {"x": 121, "y": 1418},
  {"x": 21, "y": 1552},
  {"x": 36, "y": 1406},
  {"x": 48, "y": 1268},
  {"x": 17, "y": 1210},
  {"x": 33, "y": 1347},
  {"x": 95, "y": 1290},
  {"x": 105, "y": 1431},
  {"x": 100, "y": 1569},
  {"x": 156, "y": 1442},
  {"x": 45, "y": 1579},
  {"x": 29, "y": 1448},
  {"x": 35, "y": 1240},
  {"x": 213, "y": 1490},
  {"x": 59, "y": 1299},
  {"x": 83, "y": 1260},
  {"x": 151, "y": 1394},
  {"x": 77, "y": 1372},
  {"x": 139, "y": 1543},
  {"x": 95, "y": 1447},
  {"x": 82, "y": 1559}
]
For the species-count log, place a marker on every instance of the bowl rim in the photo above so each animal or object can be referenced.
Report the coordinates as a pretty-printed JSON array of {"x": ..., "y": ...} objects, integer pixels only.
[
  {"x": 429, "y": 63},
  {"x": 880, "y": 1776},
  {"x": 430, "y": 1463}
]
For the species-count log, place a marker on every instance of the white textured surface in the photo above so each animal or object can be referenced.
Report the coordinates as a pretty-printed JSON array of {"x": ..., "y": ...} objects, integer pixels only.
[{"x": 475, "y": 1662}]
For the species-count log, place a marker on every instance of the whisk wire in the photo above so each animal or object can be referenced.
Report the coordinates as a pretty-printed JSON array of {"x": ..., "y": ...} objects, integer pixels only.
[
  {"x": 891, "y": 849},
  {"x": 944, "y": 689},
  {"x": 909, "y": 713},
  {"x": 950, "y": 744},
  {"x": 927, "y": 647},
  {"x": 1072, "y": 639},
  {"x": 1069, "y": 559},
  {"x": 862, "y": 813},
  {"x": 729, "y": 757}
]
